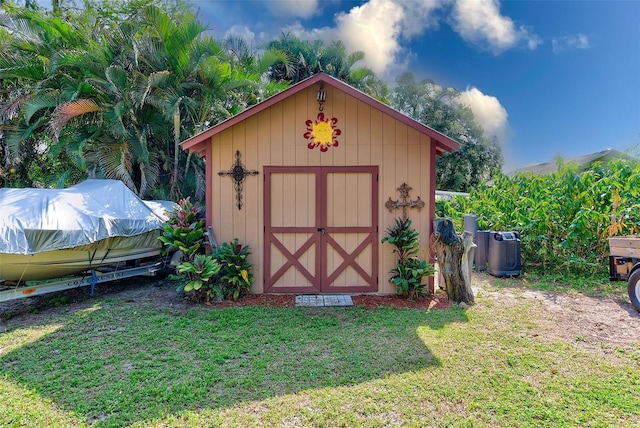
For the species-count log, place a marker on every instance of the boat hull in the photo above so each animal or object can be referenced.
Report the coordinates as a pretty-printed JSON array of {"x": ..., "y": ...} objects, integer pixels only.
[{"x": 60, "y": 263}]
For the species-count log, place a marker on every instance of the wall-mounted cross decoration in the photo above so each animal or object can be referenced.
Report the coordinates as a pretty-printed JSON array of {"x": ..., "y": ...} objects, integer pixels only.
[
  {"x": 404, "y": 201},
  {"x": 238, "y": 174}
]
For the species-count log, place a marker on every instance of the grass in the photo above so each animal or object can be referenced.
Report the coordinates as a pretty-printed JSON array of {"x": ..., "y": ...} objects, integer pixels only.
[{"x": 121, "y": 363}]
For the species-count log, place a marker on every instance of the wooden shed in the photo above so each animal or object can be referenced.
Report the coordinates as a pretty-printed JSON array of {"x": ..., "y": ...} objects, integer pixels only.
[{"x": 310, "y": 179}]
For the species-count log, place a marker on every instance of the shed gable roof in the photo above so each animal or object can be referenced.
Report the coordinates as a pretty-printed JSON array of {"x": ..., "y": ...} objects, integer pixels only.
[{"x": 198, "y": 142}]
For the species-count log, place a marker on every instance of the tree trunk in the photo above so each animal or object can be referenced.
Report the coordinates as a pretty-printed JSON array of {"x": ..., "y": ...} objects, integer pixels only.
[{"x": 454, "y": 254}]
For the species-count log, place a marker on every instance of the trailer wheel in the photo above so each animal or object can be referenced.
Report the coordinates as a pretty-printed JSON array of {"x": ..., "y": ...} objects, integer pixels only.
[{"x": 634, "y": 289}]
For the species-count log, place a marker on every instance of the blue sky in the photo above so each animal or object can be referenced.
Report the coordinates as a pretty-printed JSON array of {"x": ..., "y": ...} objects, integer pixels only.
[{"x": 547, "y": 77}]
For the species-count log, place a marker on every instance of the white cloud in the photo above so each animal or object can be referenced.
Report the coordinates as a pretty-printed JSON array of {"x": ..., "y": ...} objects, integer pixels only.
[
  {"x": 576, "y": 41},
  {"x": 420, "y": 15},
  {"x": 373, "y": 28},
  {"x": 293, "y": 8},
  {"x": 480, "y": 22},
  {"x": 487, "y": 111},
  {"x": 241, "y": 31}
]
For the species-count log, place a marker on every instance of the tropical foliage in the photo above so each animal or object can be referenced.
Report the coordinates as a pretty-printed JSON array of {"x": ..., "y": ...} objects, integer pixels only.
[
  {"x": 408, "y": 273},
  {"x": 199, "y": 272},
  {"x": 184, "y": 236},
  {"x": 564, "y": 218},
  {"x": 235, "y": 277},
  {"x": 184, "y": 231},
  {"x": 113, "y": 96},
  {"x": 222, "y": 274}
]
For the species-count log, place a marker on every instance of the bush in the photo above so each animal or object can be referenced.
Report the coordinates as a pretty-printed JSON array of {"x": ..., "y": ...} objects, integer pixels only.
[
  {"x": 199, "y": 273},
  {"x": 184, "y": 231},
  {"x": 408, "y": 273},
  {"x": 235, "y": 277},
  {"x": 222, "y": 275}
]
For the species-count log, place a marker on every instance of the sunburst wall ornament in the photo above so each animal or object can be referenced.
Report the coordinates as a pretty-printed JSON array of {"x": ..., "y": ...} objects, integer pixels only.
[{"x": 322, "y": 132}]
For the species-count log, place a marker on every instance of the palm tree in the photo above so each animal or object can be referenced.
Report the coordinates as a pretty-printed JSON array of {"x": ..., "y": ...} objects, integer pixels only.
[
  {"x": 303, "y": 59},
  {"x": 120, "y": 98}
]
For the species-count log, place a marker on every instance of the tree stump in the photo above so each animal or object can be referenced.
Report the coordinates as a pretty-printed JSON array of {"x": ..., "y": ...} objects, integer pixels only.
[{"x": 454, "y": 254}]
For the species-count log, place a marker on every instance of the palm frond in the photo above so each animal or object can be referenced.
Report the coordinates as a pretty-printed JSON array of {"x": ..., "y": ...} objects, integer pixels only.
[
  {"x": 21, "y": 67},
  {"x": 37, "y": 102},
  {"x": 9, "y": 110},
  {"x": 118, "y": 77},
  {"x": 67, "y": 111},
  {"x": 77, "y": 59},
  {"x": 143, "y": 85},
  {"x": 114, "y": 160},
  {"x": 15, "y": 138}
]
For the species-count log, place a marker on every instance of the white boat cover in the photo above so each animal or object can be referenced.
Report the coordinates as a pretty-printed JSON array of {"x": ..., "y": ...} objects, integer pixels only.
[{"x": 37, "y": 220}]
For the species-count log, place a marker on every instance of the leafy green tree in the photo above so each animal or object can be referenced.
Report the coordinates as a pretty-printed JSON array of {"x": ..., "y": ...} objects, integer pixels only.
[{"x": 478, "y": 158}]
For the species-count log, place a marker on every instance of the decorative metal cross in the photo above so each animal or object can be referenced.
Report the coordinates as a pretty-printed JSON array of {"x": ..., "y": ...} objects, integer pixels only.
[
  {"x": 238, "y": 174},
  {"x": 404, "y": 201}
]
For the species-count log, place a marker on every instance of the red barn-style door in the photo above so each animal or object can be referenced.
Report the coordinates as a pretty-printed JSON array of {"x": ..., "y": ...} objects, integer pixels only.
[{"x": 321, "y": 229}]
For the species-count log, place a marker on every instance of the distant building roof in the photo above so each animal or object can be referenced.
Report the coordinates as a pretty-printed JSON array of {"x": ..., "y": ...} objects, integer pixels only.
[
  {"x": 443, "y": 194},
  {"x": 583, "y": 162}
]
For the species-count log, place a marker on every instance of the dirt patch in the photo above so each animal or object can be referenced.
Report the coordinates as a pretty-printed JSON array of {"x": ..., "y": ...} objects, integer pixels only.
[
  {"x": 571, "y": 317},
  {"x": 566, "y": 316}
]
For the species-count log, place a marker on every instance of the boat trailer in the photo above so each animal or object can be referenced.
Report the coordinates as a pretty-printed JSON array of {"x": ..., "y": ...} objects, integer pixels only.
[{"x": 93, "y": 277}]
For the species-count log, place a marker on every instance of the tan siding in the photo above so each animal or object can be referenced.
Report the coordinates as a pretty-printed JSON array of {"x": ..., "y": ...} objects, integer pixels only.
[
  {"x": 425, "y": 169},
  {"x": 225, "y": 187},
  {"x": 376, "y": 137},
  {"x": 339, "y": 109},
  {"x": 273, "y": 140},
  {"x": 252, "y": 187},
  {"x": 364, "y": 123},
  {"x": 214, "y": 184},
  {"x": 288, "y": 132},
  {"x": 414, "y": 179},
  {"x": 301, "y": 115}
]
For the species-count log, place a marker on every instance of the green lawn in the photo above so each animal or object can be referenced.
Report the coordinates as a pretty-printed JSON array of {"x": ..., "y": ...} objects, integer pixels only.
[{"x": 116, "y": 362}]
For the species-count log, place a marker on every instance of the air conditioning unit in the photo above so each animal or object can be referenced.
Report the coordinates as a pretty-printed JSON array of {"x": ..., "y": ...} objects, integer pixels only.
[{"x": 504, "y": 254}]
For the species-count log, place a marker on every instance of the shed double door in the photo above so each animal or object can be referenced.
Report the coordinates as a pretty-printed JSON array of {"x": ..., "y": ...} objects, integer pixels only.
[{"x": 321, "y": 229}]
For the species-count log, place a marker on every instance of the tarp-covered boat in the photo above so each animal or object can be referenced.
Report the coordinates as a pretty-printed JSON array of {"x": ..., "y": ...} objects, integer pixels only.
[{"x": 49, "y": 233}]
